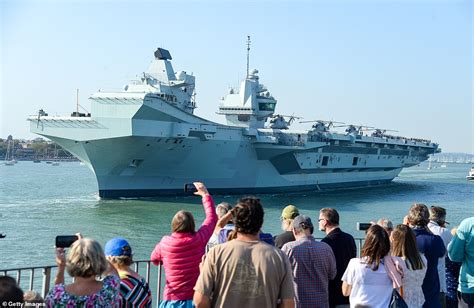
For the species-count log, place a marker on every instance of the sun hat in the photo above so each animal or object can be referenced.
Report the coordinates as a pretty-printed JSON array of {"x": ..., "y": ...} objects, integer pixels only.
[
  {"x": 289, "y": 212},
  {"x": 118, "y": 247}
]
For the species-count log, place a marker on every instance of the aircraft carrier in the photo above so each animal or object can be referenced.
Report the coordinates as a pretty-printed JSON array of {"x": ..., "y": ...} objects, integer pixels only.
[{"x": 145, "y": 141}]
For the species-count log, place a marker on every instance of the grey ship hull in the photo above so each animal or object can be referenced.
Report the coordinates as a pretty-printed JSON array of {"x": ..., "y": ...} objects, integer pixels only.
[{"x": 228, "y": 162}]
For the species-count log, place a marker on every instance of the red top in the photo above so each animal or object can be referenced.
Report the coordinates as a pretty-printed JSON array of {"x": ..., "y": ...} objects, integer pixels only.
[{"x": 181, "y": 254}]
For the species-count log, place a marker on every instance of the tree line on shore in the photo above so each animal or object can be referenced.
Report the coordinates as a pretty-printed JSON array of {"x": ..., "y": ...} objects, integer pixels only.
[{"x": 36, "y": 149}]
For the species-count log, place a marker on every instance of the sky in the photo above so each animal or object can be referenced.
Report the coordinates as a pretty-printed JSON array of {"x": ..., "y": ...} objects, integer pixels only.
[{"x": 400, "y": 65}]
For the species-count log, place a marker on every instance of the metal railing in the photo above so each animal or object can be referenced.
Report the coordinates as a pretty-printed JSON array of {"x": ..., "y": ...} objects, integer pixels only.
[{"x": 39, "y": 277}]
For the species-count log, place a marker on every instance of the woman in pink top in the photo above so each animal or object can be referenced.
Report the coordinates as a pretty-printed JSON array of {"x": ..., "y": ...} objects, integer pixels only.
[{"x": 181, "y": 252}]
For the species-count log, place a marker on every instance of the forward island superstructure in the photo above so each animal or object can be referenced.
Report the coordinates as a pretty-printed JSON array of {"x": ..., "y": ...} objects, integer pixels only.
[{"x": 145, "y": 141}]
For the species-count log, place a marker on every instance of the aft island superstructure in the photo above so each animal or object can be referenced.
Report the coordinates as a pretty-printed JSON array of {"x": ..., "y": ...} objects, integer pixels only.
[{"x": 145, "y": 141}]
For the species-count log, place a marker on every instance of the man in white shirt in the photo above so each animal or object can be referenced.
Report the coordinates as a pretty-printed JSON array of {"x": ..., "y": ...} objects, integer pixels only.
[{"x": 437, "y": 226}]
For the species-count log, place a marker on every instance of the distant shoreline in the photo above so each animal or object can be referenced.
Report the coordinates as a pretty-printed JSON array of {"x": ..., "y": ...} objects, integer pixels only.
[{"x": 62, "y": 159}]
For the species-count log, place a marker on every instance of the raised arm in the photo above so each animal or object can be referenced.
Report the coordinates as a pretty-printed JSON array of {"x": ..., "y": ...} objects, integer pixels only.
[
  {"x": 222, "y": 222},
  {"x": 61, "y": 263},
  {"x": 207, "y": 227}
]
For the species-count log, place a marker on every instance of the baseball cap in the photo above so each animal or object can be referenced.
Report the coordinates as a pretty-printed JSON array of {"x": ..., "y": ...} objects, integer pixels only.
[
  {"x": 289, "y": 212},
  {"x": 118, "y": 247},
  {"x": 304, "y": 222}
]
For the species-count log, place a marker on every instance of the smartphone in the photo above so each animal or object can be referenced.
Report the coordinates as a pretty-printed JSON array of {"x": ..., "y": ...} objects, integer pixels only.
[
  {"x": 65, "y": 241},
  {"x": 189, "y": 188},
  {"x": 363, "y": 226}
]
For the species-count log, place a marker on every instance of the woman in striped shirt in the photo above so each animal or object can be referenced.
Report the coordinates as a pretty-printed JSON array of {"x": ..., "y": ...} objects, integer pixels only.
[{"x": 134, "y": 290}]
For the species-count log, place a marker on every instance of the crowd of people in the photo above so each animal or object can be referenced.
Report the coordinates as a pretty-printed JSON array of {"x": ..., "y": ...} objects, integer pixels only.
[{"x": 230, "y": 262}]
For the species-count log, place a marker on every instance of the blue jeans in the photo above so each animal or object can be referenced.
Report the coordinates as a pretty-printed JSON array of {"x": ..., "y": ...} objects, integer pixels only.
[{"x": 177, "y": 304}]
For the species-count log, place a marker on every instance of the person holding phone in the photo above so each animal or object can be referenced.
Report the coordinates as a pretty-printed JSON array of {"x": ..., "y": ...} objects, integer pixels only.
[
  {"x": 181, "y": 252},
  {"x": 85, "y": 261}
]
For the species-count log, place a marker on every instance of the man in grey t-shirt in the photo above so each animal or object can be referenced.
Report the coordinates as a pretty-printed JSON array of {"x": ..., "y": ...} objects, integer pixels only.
[{"x": 245, "y": 272}]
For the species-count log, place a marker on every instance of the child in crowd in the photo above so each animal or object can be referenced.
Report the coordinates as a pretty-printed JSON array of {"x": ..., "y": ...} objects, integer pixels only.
[{"x": 404, "y": 245}]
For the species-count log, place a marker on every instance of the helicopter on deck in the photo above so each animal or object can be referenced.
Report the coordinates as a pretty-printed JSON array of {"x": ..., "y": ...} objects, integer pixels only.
[
  {"x": 356, "y": 130},
  {"x": 322, "y": 126},
  {"x": 278, "y": 121},
  {"x": 380, "y": 132}
]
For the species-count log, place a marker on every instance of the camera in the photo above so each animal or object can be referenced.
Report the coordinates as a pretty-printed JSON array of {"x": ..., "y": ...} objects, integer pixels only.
[
  {"x": 363, "y": 226},
  {"x": 65, "y": 241},
  {"x": 190, "y": 188}
]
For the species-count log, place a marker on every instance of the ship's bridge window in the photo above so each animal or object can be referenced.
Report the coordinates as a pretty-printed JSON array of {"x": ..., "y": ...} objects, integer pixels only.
[{"x": 266, "y": 106}]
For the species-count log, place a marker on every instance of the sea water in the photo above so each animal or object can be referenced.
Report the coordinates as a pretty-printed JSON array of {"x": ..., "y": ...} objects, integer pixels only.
[{"x": 40, "y": 201}]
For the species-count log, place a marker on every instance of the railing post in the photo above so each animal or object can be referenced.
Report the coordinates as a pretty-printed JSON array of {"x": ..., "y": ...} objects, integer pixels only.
[
  {"x": 360, "y": 247},
  {"x": 46, "y": 281},
  {"x": 158, "y": 286},
  {"x": 18, "y": 276},
  {"x": 32, "y": 277},
  {"x": 147, "y": 277}
]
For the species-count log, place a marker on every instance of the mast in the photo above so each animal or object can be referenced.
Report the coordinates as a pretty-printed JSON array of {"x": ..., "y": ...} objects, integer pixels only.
[
  {"x": 248, "y": 55},
  {"x": 77, "y": 102}
]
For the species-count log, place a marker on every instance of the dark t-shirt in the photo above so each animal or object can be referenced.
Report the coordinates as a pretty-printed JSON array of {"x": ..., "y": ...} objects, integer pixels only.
[
  {"x": 284, "y": 238},
  {"x": 344, "y": 249},
  {"x": 432, "y": 247}
]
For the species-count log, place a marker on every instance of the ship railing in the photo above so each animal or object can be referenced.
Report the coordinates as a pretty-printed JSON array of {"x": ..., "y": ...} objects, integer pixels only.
[
  {"x": 39, "y": 278},
  {"x": 291, "y": 143}
]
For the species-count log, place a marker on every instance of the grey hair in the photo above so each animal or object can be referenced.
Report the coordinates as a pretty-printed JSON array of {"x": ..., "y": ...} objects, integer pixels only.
[
  {"x": 385, "y": 223},
  {"x": 222, "y": 209},
  {"x": 86, "y": 258}
]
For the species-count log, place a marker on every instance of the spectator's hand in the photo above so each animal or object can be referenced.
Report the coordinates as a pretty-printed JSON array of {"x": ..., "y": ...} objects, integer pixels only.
[
  {"x": 201, "y": 189},
  {"x": 61, "y": 262},
  {"x": 79, "y": 236},
  {"x": 201, "y": 264},
  {"x": 454, "y": 230},
  {"x": 224, "y": 220},
  {"x": 60, "y": 258}
]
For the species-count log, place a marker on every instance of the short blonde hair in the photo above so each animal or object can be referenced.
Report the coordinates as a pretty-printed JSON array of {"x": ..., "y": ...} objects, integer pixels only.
[
  {"x": 121, "y": 260},
  {"x": 86, "y": 258},
  {"x": 183, "y": 222},
  {"x": 32, "y": 297}
]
